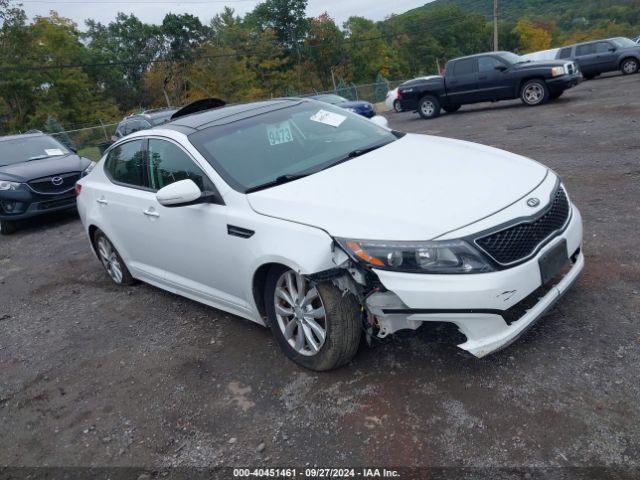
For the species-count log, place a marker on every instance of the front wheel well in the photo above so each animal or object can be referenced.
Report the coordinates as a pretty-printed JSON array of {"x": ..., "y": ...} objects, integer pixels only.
[
  {"x": 624, "y": 59},
  {"x": 527, "y": 79},
  {"x": 259, "y": 284},
  {"x": 92, "y": 232}
]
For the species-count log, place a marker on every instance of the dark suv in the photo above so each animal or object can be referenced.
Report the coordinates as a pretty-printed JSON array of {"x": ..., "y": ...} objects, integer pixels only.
[
  {"x": 144, "y": 121},
  {"x": 38, "y": 175},
  {"x": 603, "y": 56}
]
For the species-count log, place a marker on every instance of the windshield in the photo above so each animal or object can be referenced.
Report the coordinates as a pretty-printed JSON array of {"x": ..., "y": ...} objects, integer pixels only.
[
  {"x": 292, "y": 141},
  {"x": 332, "y": 99},
  {"x": 622, "y": 42},
  {"x": 159, "y": 119},
  {"x": 511, "y": 58},
  {"x": 23, "y": 149}
]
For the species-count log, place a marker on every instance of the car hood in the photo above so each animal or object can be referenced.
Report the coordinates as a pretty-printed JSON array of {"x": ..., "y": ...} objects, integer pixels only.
[
  {"x": 416, "y": 188},
  {"x": 540, "y": 64},
  {"x": 354, "y": 104},
  {"x": 25, "y": 171}
]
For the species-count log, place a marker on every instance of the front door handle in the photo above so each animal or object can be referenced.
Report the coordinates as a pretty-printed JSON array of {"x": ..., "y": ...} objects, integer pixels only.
[
  {"x": 150, "y": 212},
  {"x": 102, "y": 201}
]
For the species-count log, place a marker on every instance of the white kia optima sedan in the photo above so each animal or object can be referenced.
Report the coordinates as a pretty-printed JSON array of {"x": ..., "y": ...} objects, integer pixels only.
[{"x": 326, "y": 226}]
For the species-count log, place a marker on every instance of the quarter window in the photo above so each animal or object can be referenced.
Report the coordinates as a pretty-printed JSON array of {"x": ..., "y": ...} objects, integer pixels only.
[
  {"x": 169, "y": 164},
  {"x": 565, "y": 53},
  {"x": 125, "y": 164},
  {"x": 464, "y": 67}
]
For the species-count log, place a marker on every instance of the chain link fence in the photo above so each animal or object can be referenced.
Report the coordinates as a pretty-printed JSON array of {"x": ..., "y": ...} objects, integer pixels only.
[{"x": 91, "y": 141}]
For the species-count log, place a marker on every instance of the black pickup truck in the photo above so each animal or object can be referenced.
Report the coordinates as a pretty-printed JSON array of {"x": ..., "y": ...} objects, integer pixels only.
[{"x": 488, "y": 77}]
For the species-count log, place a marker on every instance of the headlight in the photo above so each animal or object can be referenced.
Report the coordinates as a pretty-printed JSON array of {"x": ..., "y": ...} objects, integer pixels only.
[
  {"x": 7, "y": 185},
  {"x": 447, "y": 256},
  {"x": 88, "y": 170},
  {"x": 557, "y": 71},
  {"x": 352, "y": 110}
]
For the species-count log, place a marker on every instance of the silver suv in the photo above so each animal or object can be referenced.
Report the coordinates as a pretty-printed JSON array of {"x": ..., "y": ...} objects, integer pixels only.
[{"x": 601, "y": 56}]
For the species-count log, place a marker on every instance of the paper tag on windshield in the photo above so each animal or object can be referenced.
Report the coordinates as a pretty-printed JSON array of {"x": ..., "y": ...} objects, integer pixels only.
[
  {"x": 280, "y": 133},
  {"x": 53, "y": 151},
  {"x": 328, "y": 118}
]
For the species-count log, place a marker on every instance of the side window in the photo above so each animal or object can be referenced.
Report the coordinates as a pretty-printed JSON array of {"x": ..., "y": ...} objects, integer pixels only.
[
  {"x": 137, "y": 125},
  {"x": 565, "y": 53},
  {"x": 588, "y": 49},
  {"x": 603, "y": 47},
  {"x": 488, "y": 64},
  {"x": 168, "y": 164},
  {"x": 464, "y": 67},
  {"x": 125, "y": 164}
]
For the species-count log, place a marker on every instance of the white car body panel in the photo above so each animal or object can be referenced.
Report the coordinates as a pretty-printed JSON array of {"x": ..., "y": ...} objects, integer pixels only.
[{"x": 416, "y": 188}]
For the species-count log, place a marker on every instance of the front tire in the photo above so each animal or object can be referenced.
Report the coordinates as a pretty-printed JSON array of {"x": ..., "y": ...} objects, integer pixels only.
[
  {"x": 111, "y": 260},
  {"x": 534, "y": 92},
  {"x": 315, "y": 325},
  {"x": 7, "y": 227},
  {"x": 629, "y": 66},
  {"x": 429, "y": 107}
]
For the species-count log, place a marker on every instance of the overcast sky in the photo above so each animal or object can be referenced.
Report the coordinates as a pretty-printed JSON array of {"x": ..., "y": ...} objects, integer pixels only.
[{"x": 154, "y": 11}]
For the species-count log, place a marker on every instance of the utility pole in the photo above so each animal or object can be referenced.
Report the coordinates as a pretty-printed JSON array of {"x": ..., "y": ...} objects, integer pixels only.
[{"x": 495, "y": 25}]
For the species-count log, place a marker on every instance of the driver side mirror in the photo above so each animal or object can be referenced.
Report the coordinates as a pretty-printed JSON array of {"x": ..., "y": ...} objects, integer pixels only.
[
  {"x": 612, "y": 49},
  {"x": 501, "y": 68},
  {"x": 182, "y": 193}
]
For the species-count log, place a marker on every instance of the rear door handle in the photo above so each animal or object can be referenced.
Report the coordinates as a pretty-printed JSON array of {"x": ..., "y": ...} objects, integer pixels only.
[
  {"x": 150, "y": 212},
  {"x": 102, "y": 201}
]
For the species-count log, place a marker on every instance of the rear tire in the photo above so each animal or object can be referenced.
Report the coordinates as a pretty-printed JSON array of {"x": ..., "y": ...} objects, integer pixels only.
[
  {"x": 429, "y": 107},
  {"x": 534, "y": 92},
  {"x": 629, "y": 66},
  {"x": 7, "y": 227},
  {"x": 451, "y": 108},
  {"x": 319, "y": 329},
  {"x": 111, "y": 260},
  {"x": 397, "y": 106}
]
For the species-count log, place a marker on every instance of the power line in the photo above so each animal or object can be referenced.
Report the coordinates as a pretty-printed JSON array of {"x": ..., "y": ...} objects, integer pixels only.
[{"x": 440, "y": 22}]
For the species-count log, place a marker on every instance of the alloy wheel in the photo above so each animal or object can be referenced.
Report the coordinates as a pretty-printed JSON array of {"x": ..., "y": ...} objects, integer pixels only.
[
  {"x": 630, "y": 66},
  {"x": 109, "y": 259},
  {"x": 533, "y": 94},
  {"x": 300, "y": 313},
  {"x": 428, "y": 108}
]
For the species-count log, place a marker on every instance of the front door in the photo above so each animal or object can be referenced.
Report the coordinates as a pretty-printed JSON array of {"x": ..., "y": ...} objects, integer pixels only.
[
  {"x": 494, "y": 83},
  {"x": 191, "y": 244}
]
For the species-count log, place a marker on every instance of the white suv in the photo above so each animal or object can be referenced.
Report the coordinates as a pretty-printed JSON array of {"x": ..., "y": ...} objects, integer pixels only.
[{"x": 326, "y": 226}]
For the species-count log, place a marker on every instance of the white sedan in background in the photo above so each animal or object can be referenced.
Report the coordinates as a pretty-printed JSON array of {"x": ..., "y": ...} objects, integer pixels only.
[
  {"x": 324, "y": 226},
  {"x": 392, "y": 102}
]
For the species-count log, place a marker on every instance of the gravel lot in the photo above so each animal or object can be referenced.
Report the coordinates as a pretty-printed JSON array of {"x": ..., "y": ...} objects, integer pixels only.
[{"x": 93, "y": 374}]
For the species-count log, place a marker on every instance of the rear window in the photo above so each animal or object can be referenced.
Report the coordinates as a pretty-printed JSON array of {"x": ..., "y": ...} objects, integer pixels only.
[{"x": 464, "y": 67}]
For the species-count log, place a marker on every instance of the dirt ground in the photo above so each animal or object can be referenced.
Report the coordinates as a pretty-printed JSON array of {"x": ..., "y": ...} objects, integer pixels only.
[{"x": 96, "y": 375}]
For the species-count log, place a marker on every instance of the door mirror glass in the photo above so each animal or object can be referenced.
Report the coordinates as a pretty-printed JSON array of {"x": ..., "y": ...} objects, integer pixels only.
[
  {"x": 381, "y": 121},
  {"x": 179, "y": 193}
]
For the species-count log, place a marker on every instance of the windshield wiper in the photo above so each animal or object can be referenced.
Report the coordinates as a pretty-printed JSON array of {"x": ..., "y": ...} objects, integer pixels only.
[
  {"x": 37, "y": 157},
  {"x": 356, "y": 153},
  {"x": 281, "y": 180}
]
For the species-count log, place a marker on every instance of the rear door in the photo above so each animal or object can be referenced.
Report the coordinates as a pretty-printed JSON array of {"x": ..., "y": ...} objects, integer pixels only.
[
  {"x": 586, "y": 58},
  {"x": 461, "y": 80},
  {"x": 494, "y": 83},
  {"x": 123, "y": 202}
]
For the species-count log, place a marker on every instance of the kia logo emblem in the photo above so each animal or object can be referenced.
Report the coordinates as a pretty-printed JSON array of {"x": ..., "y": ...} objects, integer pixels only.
[
  {"x": 57, "y": 181},
  {"x": 533, "y": 202}
]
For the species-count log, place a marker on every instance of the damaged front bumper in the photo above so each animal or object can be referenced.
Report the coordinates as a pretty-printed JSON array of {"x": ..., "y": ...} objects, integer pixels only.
[{"x": 492, "y": 310}]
